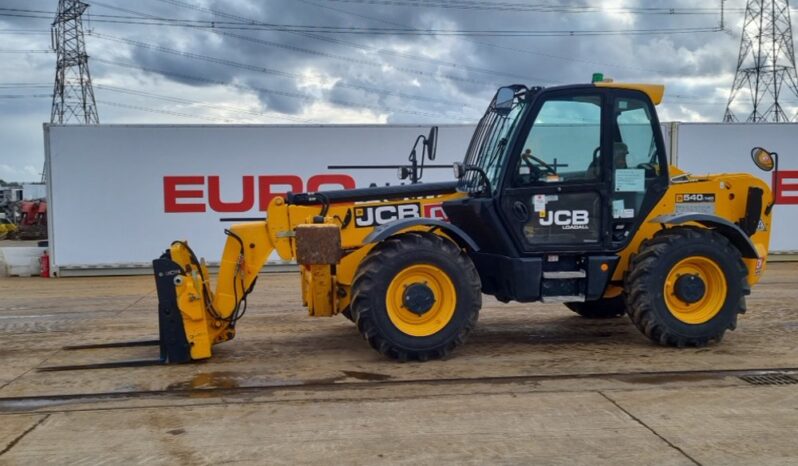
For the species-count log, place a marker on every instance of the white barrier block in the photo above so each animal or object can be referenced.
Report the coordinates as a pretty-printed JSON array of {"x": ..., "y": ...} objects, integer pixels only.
[{"x": 22, "y": 261}]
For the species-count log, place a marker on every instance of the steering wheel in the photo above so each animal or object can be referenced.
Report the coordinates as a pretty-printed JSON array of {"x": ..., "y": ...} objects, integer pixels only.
[{"x": 527, "y": 158}]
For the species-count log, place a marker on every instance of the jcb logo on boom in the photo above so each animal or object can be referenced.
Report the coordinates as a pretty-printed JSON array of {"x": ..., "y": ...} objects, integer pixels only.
[
  {"x": 567, "y": 219},
  {"x": 382, "y": 214}
]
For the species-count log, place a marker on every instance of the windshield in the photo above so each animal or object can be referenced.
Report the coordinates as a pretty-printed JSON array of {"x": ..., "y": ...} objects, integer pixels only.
[{"x": 488, "y": 148}]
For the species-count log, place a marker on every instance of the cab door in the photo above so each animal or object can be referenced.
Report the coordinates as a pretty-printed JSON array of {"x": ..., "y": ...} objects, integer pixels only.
[
  {"x": 556, "y": 189},
  {"x": 639, "y": 164}
]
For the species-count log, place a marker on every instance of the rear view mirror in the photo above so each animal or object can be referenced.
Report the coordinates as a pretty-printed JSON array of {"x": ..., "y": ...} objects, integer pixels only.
[
  {"x": 459, "y": 170},
  {"x": 403, "y": 173},
  {"x": 764, "y": 160},
  {"x": 431, "y": 143},
  {"x": 505, "y": 97}
]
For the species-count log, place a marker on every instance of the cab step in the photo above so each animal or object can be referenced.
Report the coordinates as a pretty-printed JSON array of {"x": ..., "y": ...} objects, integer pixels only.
[{"x": 564, "y": 274}]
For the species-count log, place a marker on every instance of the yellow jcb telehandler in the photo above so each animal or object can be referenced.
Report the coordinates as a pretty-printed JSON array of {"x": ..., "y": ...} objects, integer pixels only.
[{"x": 565, "y": 195}]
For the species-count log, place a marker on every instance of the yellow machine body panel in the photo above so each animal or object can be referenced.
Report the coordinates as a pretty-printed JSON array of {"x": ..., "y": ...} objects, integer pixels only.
[
  {"x": 728, "y": 191},
  {"x": 209, "y": 316}
]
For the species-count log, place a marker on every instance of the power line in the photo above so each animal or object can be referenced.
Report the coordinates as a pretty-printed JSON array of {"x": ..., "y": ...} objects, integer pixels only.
[
  {"x": 539, "y": 8},
  {"x": 180, "y": 100},
  {"x": 24, "y": 85},
  {"x": 23, "y": 31},
  {"x": 482, "y": 43},
  {"x": 292, "y": 95},
  {"x": 357, "y": 46},
  {"x": 165, "y": 112},
  {"x": 22, "y": 96},
  {"x": 510, "y": 6},
  {"x": 345, "y": 58},
  {"x": 224, "y": 25},
  {"x": 255, "y": 68},
  {"x": 236, "y": 64},
  {"x": 25, "y": 51}
]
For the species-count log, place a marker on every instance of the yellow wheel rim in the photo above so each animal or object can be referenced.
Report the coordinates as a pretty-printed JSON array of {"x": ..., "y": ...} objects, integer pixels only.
[
  {"x": 708, "y": 306},
  {"x": 439, "y": 313}
]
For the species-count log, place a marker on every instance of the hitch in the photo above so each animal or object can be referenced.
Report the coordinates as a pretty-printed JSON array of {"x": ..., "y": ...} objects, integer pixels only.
[
  {"x": 191, "y": 318},
  {"x": 174, "y": 347}
]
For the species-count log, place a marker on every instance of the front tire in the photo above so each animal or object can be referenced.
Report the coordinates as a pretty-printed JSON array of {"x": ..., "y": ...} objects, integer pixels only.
[
  {"x": 416, "y": 296},
  {"x": 686, "y": 287}
]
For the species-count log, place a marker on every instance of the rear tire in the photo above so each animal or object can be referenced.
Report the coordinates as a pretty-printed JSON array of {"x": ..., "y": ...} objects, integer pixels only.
[
  {"x": 605, "y": 308},
  {"x": 665, "y": 314},
  {"x": 448, "y": 287}
]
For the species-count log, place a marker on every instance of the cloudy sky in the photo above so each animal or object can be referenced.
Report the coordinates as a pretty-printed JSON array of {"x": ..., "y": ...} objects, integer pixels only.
[{"x": 366, "y": 66}]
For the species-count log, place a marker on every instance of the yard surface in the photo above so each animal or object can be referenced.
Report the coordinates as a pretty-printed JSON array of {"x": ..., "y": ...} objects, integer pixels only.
[{"x": 534, "y": 384}]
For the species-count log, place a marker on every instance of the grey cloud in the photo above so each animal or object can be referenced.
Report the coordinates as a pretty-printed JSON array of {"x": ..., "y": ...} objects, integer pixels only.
[{"x": 688, "y": 63}]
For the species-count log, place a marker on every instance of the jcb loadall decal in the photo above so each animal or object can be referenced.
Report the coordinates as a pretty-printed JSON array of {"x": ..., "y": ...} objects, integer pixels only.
[
  {"x": 376, "y": 215},
  {"x": 567, "y": 219}
]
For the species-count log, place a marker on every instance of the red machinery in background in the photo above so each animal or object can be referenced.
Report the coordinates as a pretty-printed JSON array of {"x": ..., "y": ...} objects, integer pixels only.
[{"x": 32, "y": 219}]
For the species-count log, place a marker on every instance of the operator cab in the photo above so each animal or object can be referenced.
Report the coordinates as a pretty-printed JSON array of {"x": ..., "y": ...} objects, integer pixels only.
[{"x": 560, "y": 178}]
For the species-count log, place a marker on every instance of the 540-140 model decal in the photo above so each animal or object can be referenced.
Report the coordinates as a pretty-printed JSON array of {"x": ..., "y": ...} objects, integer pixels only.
[
  {"x": 695, "y": 197},
  {"x": 703, "y": 203}
]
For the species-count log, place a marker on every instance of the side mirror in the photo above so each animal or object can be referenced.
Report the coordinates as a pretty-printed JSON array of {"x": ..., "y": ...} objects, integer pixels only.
[
  {"x": 764, "y": 160},
  {"x": 431, "y": 143},
  {"x": 403, "y": 173},
  {"x": 459, "y": 170},
  {"x": 505, "y": 98}
]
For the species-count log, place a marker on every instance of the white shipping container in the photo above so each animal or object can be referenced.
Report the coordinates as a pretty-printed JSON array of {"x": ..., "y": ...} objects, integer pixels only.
[{"x": 119, "y": 194}]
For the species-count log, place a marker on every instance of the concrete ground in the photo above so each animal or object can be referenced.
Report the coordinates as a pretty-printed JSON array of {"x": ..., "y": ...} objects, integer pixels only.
[{"x": 534, "y": 384}]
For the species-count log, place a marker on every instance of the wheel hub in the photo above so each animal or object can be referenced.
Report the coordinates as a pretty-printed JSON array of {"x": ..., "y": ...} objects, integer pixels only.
[
  {"x": 418, "y": 298},
  {"x": 690, "y": 288}
]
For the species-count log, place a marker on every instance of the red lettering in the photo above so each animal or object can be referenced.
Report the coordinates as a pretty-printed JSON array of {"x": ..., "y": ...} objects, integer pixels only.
[
  {"x": 171, "y": 193},
  {"x": 343, "y": 181},
  {"x": 175, "y": 190},
  {"x": 247, "y": 197},
  {"x": 265, "y": 184},
  {"x": 785, "y": 181},
  {"x": 435, "y": 211}
]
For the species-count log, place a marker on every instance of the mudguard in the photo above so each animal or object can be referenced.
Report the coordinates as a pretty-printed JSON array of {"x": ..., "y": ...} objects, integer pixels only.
[
  {"x": 389, "y": 229},
  {"x": 734, "y": 233}
]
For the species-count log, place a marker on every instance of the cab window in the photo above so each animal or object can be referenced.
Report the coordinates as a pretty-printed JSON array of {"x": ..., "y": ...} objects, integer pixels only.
[
  {"x": 635, "y": 145},
  {"x": 563, "y": 143},
  {"x": 635, "y": 160}
]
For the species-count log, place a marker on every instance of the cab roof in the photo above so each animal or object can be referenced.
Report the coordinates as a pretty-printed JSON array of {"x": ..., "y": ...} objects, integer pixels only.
[{"x": 654, "y": 91}]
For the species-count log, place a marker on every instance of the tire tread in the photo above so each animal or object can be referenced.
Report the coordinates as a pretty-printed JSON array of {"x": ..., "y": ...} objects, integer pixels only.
[{"x": 639, "y": 297}]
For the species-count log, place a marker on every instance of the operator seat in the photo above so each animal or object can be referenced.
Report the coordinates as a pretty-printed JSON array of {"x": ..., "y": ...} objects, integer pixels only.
[{"x": 619, "y": 153}]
